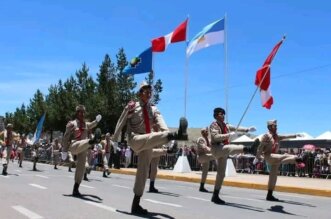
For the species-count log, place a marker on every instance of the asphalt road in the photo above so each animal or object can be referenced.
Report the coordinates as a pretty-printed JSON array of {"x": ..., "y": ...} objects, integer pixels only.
[{"x": 47, "y": 194}]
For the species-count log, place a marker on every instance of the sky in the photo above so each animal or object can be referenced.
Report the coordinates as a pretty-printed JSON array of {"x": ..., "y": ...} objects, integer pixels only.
[{"x": 44, "y": 41}]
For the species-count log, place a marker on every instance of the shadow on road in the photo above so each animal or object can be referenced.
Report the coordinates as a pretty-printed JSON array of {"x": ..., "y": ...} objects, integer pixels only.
[
  {"x": 87, "y": 197},
  {"x": 149, "y": 215}
]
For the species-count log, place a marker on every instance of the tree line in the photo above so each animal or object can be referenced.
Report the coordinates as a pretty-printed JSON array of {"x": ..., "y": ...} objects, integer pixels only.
[{"x": 107, "y": 95}]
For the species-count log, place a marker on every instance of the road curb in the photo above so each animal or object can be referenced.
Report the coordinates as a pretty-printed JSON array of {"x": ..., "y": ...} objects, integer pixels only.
[{"x": 248, "y": 185}]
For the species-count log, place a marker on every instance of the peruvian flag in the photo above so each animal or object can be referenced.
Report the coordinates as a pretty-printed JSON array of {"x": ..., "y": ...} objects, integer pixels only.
[
  {"x": 178, "y": 35},
  {"x": 262, "y": 79}
]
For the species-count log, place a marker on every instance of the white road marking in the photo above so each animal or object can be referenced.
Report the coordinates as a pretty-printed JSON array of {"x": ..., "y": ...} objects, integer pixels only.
[
  {"x": 102, "y": 206},
  {"x": 27, "y": 212},
  {"x": 163, "y": 203},
  {"x": 90, "y": 187},
  {"x": 41, "y": 176},
  {"x": 201, "y": 199},
  {"x": 37, "y": 186},
  {"x": 124, "y": 187}
]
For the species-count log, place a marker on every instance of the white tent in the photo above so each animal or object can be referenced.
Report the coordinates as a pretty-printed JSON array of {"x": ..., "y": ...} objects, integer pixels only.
[
  {"x": 243, "y": 138},
  {"x": 305, "y": 136},
  {"x": 326, "y": 135}
]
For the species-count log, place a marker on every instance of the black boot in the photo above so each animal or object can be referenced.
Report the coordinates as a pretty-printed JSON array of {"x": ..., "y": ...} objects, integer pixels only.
[
  {"x": 20, "y": 164},
  {"x": 97, "y": 137},
  {"x": 85, "y": 177},
  {"x": 104, "y": 174},
  {"x": 55, "y": 167},
  {"x": 136, "y": 208},
  {"x": 202, "y": 188},
  {"x": 152, "y": 188},
  {"x": 181, "y": 134},
  {"x": 34, "y": 166},
  {"x": 217, "y": 199},
  {"x": 270, "y": 197},
  {"x": 75, "y": 191},
  {"x": 4, "y": 170},
  {"x": 69, "y": 169}
]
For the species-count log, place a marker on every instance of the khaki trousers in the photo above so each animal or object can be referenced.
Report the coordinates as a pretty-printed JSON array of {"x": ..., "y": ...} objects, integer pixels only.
[
  {"x": 6, "y": 151},
  {"x": 156, "y": 154},
  {"x": 148, "y": 141},
  {"x": 144, "y": 160},
  {"x": 20, "y": 154},
  {"x": 56, "y": 155},
  {"x": 221, "y": 153},
  {"x": 205, "y": 161},
  {"x": 80, "y": 149},
  {"x": 106, "y": 157},
  {"x": 275, "y": 160}
]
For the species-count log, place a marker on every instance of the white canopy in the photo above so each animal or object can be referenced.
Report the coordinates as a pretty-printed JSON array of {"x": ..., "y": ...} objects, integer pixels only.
[
  {"x": 325, "y": 135},
  {"x": 243, "y": 138}
]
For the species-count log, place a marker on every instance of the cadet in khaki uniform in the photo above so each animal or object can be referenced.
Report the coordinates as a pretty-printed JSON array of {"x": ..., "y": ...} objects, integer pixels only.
[
  {"x": 71, "y": 161},
  {"x": 20, "y": 150},
  {"x": 76, "y": 138},
  {"x": 9, "y": 136},
  {"x": 269, "y": 148},
  {"x": 106, "y": 145},
  {"x": 55, "y": 147},
  {"x": 204, "y": 156},
  {"x": 140, "y": 117},
  {"x": 221, "y": 148}
]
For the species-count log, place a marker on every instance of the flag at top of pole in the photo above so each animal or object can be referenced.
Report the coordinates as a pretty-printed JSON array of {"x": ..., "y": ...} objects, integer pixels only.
[
  {"x": 178, "y": 35},
  {"x": 39, "y": 129},
  {"x": 211, "y": 34},
  {"x": 262, "y": 78}
]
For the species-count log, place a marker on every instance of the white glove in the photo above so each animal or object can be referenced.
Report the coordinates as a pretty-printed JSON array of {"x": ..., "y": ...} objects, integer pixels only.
[
  {"x": 231, "y": 134},
  {"x": 255, "y": 161},
  {"x": 251, "y": 129},
  {"x": 98, "y": 118},
  {"x": 64, "y": 155}
]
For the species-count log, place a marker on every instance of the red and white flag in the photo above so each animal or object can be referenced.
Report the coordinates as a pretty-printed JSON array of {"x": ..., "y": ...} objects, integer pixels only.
[
  {"x": 262, "y": 78},
  {"x": 178, "y": 35}
]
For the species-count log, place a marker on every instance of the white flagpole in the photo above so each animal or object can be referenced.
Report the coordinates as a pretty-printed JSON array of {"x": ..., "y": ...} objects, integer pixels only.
[
  {"x": 186, "y": 69},
  {"x": 226, "y": 82}
]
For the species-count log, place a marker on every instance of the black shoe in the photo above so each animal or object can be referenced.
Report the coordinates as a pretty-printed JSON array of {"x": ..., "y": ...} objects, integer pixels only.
[
  {"x": 182, "y": 131},
  {"x": 217, "y": 200},
  {"x": 272, "y": 198},
  {"x": 97, "y": 137},
  {"x": 4, "y": 173},
  {"x": 153, "y": 190},
  {"x": 202, "y": 189},
  {"x": 34, "y": 169},
  {"x": 69, "y": 170},
  {"x": 75, "y": 191},
  {"x": 55, "y": 168},
  {"x": 104, "y": 174},
  {"x": 138, "y": 210}
]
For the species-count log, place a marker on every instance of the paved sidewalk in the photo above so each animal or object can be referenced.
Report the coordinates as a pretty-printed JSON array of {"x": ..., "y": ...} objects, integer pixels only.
[{"x": 301, "y": 185}]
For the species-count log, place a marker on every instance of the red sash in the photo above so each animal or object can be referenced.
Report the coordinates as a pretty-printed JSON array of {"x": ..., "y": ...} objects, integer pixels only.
[{"x": 146, "y": 120}]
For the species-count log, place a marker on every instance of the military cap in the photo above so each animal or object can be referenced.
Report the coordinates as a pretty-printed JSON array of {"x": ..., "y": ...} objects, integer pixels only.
[
  {"x": 80, "y": 108},
  {"x": 272, "y": 122},
  {"x": 9, "y": 125},
  {"x": 204, "y": 129}
]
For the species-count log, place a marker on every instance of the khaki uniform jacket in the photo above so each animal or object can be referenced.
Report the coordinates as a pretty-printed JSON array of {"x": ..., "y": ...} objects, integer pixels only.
[
  {"x": 9, "y": 139},
  {"x": 218, "y": 137},
  {"x": 73, "y": 133},
  {"x": 202, "y": 148},
  {"x": 133, "y": 117},
  {"x": 267, "y": 143}
]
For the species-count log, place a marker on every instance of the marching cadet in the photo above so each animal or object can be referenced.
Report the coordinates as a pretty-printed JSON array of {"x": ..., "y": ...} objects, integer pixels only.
[
  {"x": 221, "y": 148},
  {"x": 35, "y": 154},
  {"x": 269, "y": 148},
  {"x": 140, "y": 117},
  {"x": 204, "y": 156},
  {"x": 106, "y": 145},
  {"x": 20, "y": 150},
  {"x": 71, "y": 161},
  {"x": 56, "y": 147},
  {"x": 9, "y": 136},
  {"x": 76, "y": 138}
]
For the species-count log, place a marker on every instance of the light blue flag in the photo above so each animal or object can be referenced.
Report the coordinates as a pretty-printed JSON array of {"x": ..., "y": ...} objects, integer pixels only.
[
  {"x": 210, "y": 35},
  {"x": 140, "y": 64},
  {"x": 39, "y": 128}
]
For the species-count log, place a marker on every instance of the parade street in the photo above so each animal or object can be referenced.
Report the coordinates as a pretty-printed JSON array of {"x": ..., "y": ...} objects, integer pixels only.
[{"x": 47, "y": 194}]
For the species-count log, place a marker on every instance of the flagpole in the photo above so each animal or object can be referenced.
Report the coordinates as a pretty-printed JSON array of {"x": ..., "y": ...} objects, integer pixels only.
[
  {"x": 186, "y": 69},
  {"x": 226, "y": 83}
]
